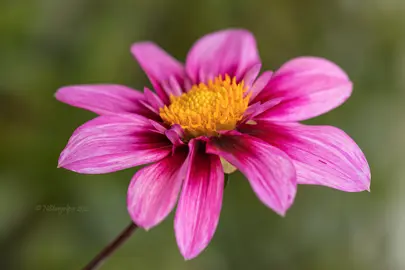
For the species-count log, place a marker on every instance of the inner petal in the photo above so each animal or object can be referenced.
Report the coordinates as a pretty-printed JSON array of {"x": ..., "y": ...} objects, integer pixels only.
[{"x": 208, "y": 108}]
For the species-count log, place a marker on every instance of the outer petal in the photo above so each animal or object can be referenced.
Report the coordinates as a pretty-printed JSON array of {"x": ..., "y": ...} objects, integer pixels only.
[
  {"x": 309, "y": 87},
  {"x": 322, "y": 155},
  {"x": 175, "y": 134},
  {"x": 153, "y": 191},
  {"x": 113, "y": 142},
  {"x": 256, "y": 109},
  {"x": 231, "y": 52},
  {"x": 103, "y": 99},
  {"x": 152, "y": 101},
  {"x": 260, "y": 84},
  {"x": 200, "y": 203},
  {"x": 268, "y": 169},
  {"x": 165, "y": 73},
  {"x": 158, "y": 127},
  {"x": 251, "y": 75}
]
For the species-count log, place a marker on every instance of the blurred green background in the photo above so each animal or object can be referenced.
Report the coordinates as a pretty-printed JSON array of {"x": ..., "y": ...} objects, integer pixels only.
[{"x": 46, "y": 44}]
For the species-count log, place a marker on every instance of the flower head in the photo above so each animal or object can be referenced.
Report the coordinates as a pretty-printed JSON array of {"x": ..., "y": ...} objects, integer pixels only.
[
  {"x": 208, "y": 108},
  {"x": 211, "y": 114}
]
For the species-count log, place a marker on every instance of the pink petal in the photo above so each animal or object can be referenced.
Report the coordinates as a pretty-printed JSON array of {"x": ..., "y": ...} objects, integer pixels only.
[
  {"x": 251, "y": 75},
  {"x": 153, "y": 191},
  {"x": 172, "y": 86},
  {"x": 175, "y": 134},
  {"x": 159, "y": 127},
  {"x": 258, "y": 108},
  {"x": 164, "y": 72},
  {"x": 231, "y": 52},
  {"x": 259, "y": 84},
  {"x": 268, "y": 169},
  {"x": 200, "y": 202},
  {"x": 322, "y": 155},
  {"x": 309, "y": 87},
  {"x": 113, "y": 142},
  {"x": 152, "y": 101},
  {"x": 103, "y": 99}
]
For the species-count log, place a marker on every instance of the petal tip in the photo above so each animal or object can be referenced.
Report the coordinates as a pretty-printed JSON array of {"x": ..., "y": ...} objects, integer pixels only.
[
  {"x": 281, "y": 212},
  {"x": 188, "y": 254},
  {"x": 366, "y": 180},
  {"x": 138, "y": 45},
  {"x": 60, "y": 93},
  {"x": 138, "y": 222},
  {"x": 61, "y": 163},
  {"x": 146, "y": 227},
  {"x": 233, "y": 31},
  {"x": 367, "y": 187},
  {"x": 188, "y": 258}
]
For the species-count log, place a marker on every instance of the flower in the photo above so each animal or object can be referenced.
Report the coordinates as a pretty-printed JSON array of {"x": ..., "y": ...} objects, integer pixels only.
[{"x": 210, "y": 116}]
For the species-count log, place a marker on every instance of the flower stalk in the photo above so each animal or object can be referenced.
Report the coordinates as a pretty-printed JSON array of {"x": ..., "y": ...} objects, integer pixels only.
[{"x": 109, "y": 249}]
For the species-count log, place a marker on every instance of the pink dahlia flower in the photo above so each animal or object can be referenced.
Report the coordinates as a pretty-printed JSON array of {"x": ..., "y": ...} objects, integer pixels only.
[{"x": 209, "y": 117}]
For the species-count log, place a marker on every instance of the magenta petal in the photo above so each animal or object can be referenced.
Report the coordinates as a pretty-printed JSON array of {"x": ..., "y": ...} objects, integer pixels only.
[
  {"x": 231, "y": 52},
  {"x": 175, "y": 134},
  {"x": 259, "y": 85},
  {"x": 200, "y": 202},
  {"x": 162, "y": 69},
  {"x": 258, "y": 108},
  {"x": 102, "y": 99},
  {"x": 268, "y": 169},
  {"x": 309, "y": 87},
  {"x": 251, "y": 75},
  {"x": 159, "y": 127},
  {"x": 172, "y": 86},
  {"x": 152, "y": 101},
  {"x": 113, "y": 142},
  {"x": 153, "y": 191},
  {"x": 322, "y": 155}
]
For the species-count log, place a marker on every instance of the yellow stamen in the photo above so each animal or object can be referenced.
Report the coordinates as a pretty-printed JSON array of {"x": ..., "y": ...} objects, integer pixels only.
[{"x": 208, "y": 108}]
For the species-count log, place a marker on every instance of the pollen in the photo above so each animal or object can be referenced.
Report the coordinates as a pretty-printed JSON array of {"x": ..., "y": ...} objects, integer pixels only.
[{"x": 208, "y": 108}]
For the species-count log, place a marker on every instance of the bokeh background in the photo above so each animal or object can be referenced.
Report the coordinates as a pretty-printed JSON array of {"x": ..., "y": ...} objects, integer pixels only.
[{"x": 46, "y": 44}]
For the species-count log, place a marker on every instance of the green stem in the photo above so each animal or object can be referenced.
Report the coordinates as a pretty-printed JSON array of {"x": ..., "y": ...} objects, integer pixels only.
[
  {"x": 226, "y": 179},
  {"x": 108, "y": 250}
]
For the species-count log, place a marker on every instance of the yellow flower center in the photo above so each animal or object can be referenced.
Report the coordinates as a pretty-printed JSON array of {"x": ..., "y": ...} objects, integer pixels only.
[{"x": 208, "y": 108}]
